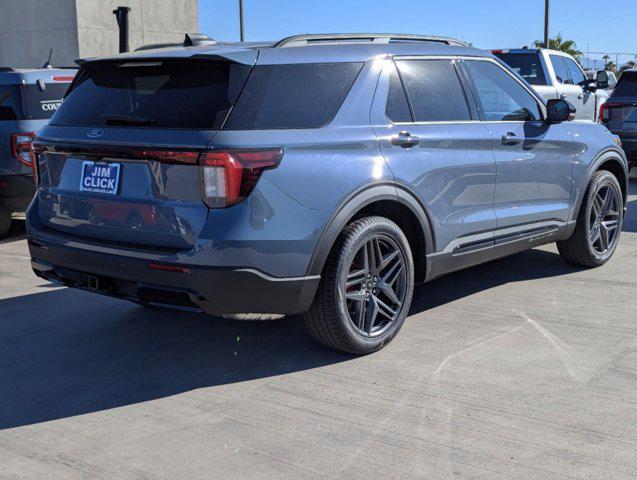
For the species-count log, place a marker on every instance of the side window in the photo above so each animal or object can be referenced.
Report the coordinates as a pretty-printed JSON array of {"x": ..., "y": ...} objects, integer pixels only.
[
  {"x": 434, "y": 90},
  {"x": 576, "y": 73},
  {"x": 397, "y": 108},
  {"x": 501, "y": 96},
  {"x": 560, "y": 69},
  {"x": 9, "y": 103}
]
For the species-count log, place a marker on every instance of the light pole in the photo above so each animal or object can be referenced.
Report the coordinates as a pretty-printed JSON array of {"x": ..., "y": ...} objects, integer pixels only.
[
  {"x": 241, "y": 36},
  {"x": 547, "y": 15}
]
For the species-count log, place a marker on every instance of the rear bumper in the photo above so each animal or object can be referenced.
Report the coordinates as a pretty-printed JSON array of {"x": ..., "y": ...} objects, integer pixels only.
[
  {"x": 126, "y": 274},
  {"x": 16, "y": 191}
]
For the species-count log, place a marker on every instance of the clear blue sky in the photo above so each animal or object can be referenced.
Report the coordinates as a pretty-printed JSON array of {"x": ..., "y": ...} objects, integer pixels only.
[{"x": 602, "y": 26}]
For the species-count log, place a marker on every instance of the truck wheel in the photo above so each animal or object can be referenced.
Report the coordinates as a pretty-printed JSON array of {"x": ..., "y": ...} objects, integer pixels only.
[
  {"x": 5, "y": 220},
  {"x": 365, "y": 290},
  {"x": 599, "y": 223}
]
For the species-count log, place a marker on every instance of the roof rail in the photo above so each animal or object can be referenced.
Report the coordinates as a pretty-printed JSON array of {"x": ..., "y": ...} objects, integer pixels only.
[{"x": 309, "y": 39}]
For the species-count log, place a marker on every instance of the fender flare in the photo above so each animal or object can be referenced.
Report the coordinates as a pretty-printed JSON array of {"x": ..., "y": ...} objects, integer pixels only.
[
  {"x": 355, "y": 203},
  {"x": 606, "y": 155}
]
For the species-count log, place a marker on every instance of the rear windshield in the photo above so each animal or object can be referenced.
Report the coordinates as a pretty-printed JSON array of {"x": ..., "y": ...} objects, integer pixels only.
[
  {"x": 528, "y": 65},
  {"x": 30, "y": 102},
  {"x": 183, "y": 94},
  {"x": 627, "y": 85},
  {"x": 292, "y": 96}
]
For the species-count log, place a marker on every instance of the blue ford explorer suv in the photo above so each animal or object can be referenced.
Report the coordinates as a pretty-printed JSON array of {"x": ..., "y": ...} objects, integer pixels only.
[
  {"x": 322, "y": 175},
  {"x": 28, "y": 98}
]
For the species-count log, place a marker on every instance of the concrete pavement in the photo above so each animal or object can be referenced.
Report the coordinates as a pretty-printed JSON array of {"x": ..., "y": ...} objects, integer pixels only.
[{"x": 521, "y": 368}]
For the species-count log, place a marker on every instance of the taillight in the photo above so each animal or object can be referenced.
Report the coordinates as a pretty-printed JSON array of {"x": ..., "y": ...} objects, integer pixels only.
[
  {"x": 604, "y": 113},
  {"x": 37, "y": 149},
  {"x": 21, "y": 147},
  {"x": 228, "y": 176}
]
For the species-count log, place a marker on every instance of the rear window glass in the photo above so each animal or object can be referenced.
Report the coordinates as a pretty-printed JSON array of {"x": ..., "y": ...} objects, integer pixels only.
[
  {"x": 194, "y": 95},
  {"x": 292, "y": 96},
  {"x": 38, "y": 104},
  {"x": 10, "y": 104},
  {"x": 627, "y": 85},
  {"x": 434, "y": 90},
  {"x": 527, "y": 65}
]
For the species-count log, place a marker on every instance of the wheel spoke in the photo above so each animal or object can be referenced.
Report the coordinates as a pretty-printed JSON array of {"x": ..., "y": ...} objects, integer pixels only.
[
  {"x": 604, "y": 238},
  {"x": 360, "y": 312},
  {"x": 608, "y": 201},
  {"x": 356, "y": 278},
  {"x": 371, "y": 314},
  {"x": 387, "y": 259},
  {"x": 598, "y": 204},
  {"x": 610, "y": 225},
  {"x": 595, "y": 235},
  {"x": 385, "y": 309},
  {"x": 389, "y": 292},
  {"x": 357, "y": 296}
]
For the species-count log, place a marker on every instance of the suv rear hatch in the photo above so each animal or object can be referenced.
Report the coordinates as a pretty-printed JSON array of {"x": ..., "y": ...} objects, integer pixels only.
[
  {"x": 619, "y": 113},
  {"x": 127, "y": 168}
]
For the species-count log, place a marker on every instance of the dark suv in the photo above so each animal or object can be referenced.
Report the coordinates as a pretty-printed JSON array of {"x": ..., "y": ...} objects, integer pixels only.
[
  {"x": 323, "y": 175},
  {"x": 28, "y": 99},
  {"x": 619, "y": 114}
]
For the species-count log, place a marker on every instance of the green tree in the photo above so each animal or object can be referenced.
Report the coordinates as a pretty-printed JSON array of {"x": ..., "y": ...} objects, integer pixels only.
[
  {"x": 558, "y": 43},
  {"x": 610, "y": 65}
]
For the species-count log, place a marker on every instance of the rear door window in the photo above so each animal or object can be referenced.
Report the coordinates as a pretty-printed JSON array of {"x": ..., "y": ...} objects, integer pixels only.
[
  {"x": 561, "y": 72},
  {"x": 174, "y": 94},
  {"x": 434, "y": 90},
  {"x": 627, "y": 85},
  {"x": 527, "y": 65},
  {"x": 296, "y": 96},
  {"x": 10, "y": 103},
  {"x": 501, "y": 97}
]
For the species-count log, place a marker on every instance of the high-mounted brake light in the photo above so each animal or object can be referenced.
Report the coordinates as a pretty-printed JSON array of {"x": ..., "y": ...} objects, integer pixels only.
[
  {"x": 229, "y": 176},
  {"x": 63, "y": 78},
  {"x": 21, "y": 147}
]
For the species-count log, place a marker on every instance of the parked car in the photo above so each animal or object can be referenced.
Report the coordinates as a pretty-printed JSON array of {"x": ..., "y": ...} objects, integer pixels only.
[
  {"x": 320, "y": 175},
  {"x": 28, "y": 98},
  {"x": 555, "y": 74},
  {"x": 619, "y": 114},
  {"x": 605, "y": 79}
]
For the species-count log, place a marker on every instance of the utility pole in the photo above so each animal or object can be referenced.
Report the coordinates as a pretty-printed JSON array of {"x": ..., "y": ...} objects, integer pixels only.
[
  {"x": 241, "y": 35},
  {"x": 547, "y": 15}
]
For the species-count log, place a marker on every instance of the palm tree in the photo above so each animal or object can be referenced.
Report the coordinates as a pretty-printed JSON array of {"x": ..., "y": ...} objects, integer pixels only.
[
  {"x": 558, "y": 43},
  {"x": 610, "y": 65}
]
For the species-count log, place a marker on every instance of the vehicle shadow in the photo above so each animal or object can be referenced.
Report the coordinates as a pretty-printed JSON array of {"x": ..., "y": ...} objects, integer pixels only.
[
  {"x": 17, "y": 231},
  {"x": 66, "y": 352}
]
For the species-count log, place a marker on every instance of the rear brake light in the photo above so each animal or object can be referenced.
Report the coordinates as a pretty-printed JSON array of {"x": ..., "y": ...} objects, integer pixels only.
[
  {"x": 229, "y": 176},
  {"x": 496, "y": 52},
  {"x": 21, "y": 147},
  {"x": 63, "y": 78},
  {"x": 605, "y": 110}
]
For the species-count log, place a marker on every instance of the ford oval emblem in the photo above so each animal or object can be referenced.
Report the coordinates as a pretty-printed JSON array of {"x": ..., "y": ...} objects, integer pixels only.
[{"x": 95, "y": 133}]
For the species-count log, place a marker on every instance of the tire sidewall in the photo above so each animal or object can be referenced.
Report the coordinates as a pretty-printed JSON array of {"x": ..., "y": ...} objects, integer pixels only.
[{"x": 389, "y": 229}]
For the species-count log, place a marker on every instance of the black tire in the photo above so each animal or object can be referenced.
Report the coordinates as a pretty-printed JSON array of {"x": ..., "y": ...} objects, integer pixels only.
[
  {"x": 580, "y": 249},
  {"x": 330, "y": 320},
  {"x": 5, "y": 220}
]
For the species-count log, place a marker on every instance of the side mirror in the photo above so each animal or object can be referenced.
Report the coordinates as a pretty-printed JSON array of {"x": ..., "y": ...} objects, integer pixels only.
[
  {"x": 559, "y": 110},
  {"x": 589, "y": 85},
  {"x": 602, "y": 80}
]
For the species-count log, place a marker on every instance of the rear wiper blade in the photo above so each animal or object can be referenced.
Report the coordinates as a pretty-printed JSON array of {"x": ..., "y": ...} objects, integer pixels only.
[{"x": 120, "y": 119}]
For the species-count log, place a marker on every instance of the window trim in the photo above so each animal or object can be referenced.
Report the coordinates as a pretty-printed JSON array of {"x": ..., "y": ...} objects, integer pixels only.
[
  {"x": 464, "y": 85},
  {"x": 530, "y": 91}
]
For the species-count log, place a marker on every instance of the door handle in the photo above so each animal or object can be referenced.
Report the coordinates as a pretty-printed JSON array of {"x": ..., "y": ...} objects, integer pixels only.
[
  {"x": 564, "y": 95},
  {"x": 405, "y": 140},
  {"x": 580, "y": 96},
  {"x": 509, "y": 138}
]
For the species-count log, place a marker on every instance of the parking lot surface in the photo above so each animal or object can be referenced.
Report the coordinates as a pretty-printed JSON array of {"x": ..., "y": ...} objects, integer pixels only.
[{"x": 521, "y": 368}]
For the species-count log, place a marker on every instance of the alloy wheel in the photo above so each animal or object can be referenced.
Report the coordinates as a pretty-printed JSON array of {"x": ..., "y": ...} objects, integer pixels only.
[
  {"x": 604, "y": 220},
  {"x": 375, "y": 286}
]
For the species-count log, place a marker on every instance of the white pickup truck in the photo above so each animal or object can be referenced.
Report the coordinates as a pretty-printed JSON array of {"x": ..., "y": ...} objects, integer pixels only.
[{"x": 555, "y": 74}]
